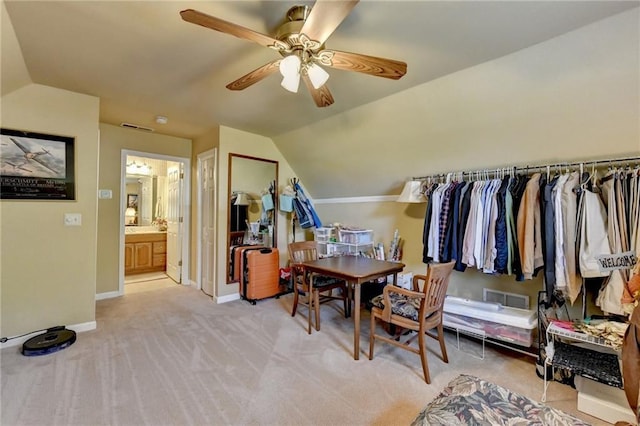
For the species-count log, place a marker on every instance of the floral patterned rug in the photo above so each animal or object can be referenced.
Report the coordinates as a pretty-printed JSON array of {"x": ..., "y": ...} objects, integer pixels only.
[{"x": 468, "y": 400}]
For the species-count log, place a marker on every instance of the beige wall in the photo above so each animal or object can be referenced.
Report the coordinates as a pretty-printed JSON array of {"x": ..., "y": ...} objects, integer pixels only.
[
  {"x": 113, "y": 140},
  {"x": 48, "y": 272},
  {"x": 239, "y": 142},
  {"x": 574, "y": 97}
]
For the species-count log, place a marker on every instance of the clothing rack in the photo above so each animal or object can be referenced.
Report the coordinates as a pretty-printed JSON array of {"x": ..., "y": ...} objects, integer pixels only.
[{"x": 532, "y": 168}]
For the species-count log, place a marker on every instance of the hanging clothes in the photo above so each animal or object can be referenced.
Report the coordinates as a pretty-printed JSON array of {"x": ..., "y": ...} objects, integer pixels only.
[
  {"x": 569, "y": 209},
  {"x": 426, "y": 258},
  {"x": 523, "y": 224},
  {"x": 529, "y": 229},
  {"x": 470, "y": 229},
  {"x": 465, "y": 207},
  {"x": 501, "y": 233},
  {"x": 549, "y": 232},
  {"x": 560, "y": 265}
]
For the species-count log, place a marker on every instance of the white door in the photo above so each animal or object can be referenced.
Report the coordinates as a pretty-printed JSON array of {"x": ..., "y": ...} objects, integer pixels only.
[
  {"x": 208, "y": 220},
  {"x": 174, "y": 221}
]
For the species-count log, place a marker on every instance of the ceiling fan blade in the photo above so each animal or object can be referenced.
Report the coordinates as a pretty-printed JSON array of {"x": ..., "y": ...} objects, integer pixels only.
[
  {"x": 372, "y": 65},
  {"x": 322, "y": 96},
  {"x": 207, "y": 21},
  {"x": 324, "y": 18},
  {"x": 254, "y": 76}
]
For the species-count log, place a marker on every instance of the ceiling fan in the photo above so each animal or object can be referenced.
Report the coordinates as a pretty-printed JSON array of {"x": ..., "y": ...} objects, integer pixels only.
[{"x": 300, "y": 40}]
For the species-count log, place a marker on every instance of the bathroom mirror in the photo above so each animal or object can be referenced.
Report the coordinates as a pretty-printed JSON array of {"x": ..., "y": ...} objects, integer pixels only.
[
  {"x": 146, "y": 191},
  {"x": 252, "y": 205}
]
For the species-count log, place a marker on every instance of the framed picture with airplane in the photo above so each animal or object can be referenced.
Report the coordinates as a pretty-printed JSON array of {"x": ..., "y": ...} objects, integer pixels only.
[{"x": 36, "y": 166}]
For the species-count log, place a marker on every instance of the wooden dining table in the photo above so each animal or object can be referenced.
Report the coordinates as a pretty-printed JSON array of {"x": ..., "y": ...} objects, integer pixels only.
[{"x": 356, "y": 271}]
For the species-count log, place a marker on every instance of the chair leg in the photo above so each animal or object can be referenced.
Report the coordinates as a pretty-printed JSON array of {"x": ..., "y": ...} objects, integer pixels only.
[
  {"x": 443, "y": 348},
  {"x": 295, "y": 303},
  {"x": 316, "y": 304},
  {"x": 372, "y": 338},
  {"x": 423, "y": 355},
  {"x": 310, "y": 305}
]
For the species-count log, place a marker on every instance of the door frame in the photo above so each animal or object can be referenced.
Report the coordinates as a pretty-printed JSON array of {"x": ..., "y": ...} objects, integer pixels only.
[
  {"x": 186, "y": 201},
  {"x": 211, "y": 153}
]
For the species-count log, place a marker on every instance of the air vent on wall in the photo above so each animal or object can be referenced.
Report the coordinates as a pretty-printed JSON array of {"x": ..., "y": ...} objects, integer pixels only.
[
  {"x": 136, "y": 127},
  {"x": 513, "y": 300}
]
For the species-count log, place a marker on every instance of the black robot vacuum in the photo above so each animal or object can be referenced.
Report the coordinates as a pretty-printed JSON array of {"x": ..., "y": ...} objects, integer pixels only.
[{"x": 53, "y": 340}]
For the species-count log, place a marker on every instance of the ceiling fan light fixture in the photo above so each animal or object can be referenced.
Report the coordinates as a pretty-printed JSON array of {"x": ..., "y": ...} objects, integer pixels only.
[
  {"x": 290, "y": 66},
  {"x": 291, "y": 83},
  {"x": 317, "y": 75}
]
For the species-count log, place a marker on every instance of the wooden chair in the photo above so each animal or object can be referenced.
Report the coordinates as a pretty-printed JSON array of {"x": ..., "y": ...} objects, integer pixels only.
[
  {"x": 236, "y": 238},
  {"x": 416, "y": 310},
  {"x": 316, "y": 288}
]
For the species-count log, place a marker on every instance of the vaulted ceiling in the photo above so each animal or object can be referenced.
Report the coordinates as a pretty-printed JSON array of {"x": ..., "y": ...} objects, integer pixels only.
[{"x": 142, "y": 60}]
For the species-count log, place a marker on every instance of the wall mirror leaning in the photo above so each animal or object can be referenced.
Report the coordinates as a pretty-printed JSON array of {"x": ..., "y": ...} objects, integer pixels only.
[{"x": 252, "y": 206}]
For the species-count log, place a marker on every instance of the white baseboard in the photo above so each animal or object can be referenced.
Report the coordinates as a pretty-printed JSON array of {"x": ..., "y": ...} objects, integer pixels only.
[
  {"x": 228, "y": 298},
  {"x": 78, "y": 328},
  {"x": 108, "y": 295}
]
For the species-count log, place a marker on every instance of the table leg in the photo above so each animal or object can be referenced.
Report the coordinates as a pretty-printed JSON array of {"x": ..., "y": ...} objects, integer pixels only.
[{"x": 356, "y": 319}]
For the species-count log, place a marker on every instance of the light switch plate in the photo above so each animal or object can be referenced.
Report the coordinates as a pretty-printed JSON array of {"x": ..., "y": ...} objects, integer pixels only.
[
  {"x": 105, "y": 193},
  {"x": 72, "y": 219}
]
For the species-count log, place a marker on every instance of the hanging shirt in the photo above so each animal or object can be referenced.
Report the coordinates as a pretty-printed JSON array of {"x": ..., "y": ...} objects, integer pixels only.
[
  {"x": 491, "y": 217},
  {"x": 427, "y": 224},
  {"x": 501, "y": 235},
  {"x": 549, "y": 248},
  {"x": 569, "y": 208},
  {"x": 559, "y": 232},
  {"x": 528, "y": 228},
  {"x": 445, "y": 212},
  {"x": 517, "y": 192},
  {"x": 450, "y": 251},
  {"x": 465, "y": 206},
  {"x": 434, "y": 229},
  {"x": 470, "y": 230},
  {"x": 480, "y": 231}
]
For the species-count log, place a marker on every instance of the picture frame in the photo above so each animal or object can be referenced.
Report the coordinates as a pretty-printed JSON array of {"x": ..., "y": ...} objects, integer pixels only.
[
  {"x": 36, "y": 166},
  {"x": 132, "y": 201}
]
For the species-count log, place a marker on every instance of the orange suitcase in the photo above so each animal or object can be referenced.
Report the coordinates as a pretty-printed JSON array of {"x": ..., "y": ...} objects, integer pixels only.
[
  {"x": 237, "y": 258},
  {"x": 260, "y": 274}
]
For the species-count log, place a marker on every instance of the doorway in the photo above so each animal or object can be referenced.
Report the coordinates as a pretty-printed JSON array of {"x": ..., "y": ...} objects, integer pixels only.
[{"x": 155, "y": 192}]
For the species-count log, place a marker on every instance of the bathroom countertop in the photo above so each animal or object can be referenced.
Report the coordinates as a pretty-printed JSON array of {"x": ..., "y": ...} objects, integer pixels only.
[{"x": 143, "y": 230}]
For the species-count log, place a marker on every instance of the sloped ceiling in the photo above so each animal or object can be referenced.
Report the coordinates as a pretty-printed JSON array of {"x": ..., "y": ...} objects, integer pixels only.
[{"x": 142, "y": 60}]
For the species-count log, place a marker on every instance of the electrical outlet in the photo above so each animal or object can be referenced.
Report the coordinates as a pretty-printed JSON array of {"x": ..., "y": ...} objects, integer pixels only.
[{"x": 72, "y": 219}]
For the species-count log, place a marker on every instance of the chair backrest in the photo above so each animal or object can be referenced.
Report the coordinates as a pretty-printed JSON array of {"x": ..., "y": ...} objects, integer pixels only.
[
  {"x": 236, "y": 238},
  {"x": 435, "y": 287},
  {"x": 302, "y": 251}
]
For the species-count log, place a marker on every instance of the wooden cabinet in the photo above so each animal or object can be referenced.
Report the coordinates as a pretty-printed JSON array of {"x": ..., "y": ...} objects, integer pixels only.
[{"x": 145, "y": 252}]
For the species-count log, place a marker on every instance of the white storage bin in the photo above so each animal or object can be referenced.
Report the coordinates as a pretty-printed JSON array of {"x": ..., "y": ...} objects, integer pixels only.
[
  {"x": 499, "y": 322},
  {"x": 331, "y": 249},
  {"x": 364, "y": 236},
  {"x": 357, "y": 249},
  {"x": 324, "y": 234}
]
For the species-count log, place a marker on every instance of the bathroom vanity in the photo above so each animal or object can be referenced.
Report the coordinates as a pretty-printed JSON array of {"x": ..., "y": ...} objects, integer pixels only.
[{"x": 145, "y": 252}]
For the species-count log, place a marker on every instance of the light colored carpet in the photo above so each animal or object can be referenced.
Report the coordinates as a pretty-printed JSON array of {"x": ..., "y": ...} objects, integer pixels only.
[{"x": 173, "y": 357}]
